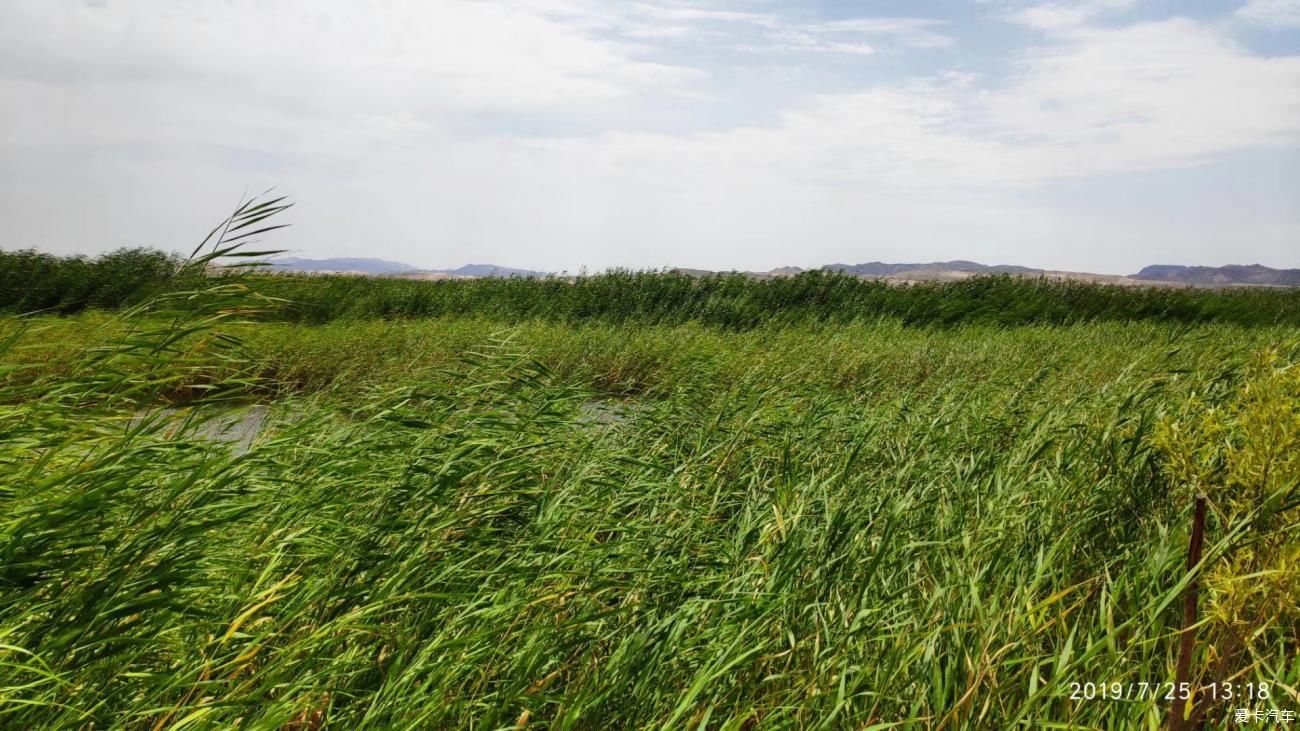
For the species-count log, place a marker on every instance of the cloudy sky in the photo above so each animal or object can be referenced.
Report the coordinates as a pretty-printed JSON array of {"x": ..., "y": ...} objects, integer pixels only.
[{"x": 1097, "y": 135}]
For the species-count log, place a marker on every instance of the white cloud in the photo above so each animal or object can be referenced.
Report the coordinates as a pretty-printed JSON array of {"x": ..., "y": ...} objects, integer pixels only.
[
  {"x": 1064, "y": 15},
  {"x": 686, "y": 14},
  {"x": 1155, "y": 94},
  {"x": 1146, "y": 97},
  {"x": 856, "y": 35},
  {"x": 751, "y": 30},
  {"x": 1272, "y": 13},
  {"x": 908, "y": 32},
  {"x": 808, "y": 42},
  {"x": 515, "y": 131},
  {"x": 453, "y": 54}
]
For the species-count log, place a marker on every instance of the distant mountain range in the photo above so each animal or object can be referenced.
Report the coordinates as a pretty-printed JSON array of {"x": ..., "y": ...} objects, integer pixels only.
[
  {"x": 341, "y": 265},
  {"x": 490, "y": 270},
  {"x": 1252, "y": 274},
  {"x": 935, "y": 271},
  {"x": 881, "y": 269},
  {"x": 383, "y": 267},
  {"x": 1158, "y": 275}
]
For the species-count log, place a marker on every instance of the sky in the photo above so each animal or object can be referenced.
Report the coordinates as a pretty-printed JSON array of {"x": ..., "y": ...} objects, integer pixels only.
[{"x": 1087, "y": 135}]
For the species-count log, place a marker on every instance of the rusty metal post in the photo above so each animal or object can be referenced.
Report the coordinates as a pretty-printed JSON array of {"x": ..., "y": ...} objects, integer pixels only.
[{"x": 1187, "y": 639}]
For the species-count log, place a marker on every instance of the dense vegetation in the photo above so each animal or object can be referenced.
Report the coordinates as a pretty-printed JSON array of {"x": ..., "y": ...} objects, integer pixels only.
[
  {"x": 493, "y": 523},
  {"x": 739, "y": 302},
  {"x": 34, "y": 281},
  {"x": 41, "y": 282}
]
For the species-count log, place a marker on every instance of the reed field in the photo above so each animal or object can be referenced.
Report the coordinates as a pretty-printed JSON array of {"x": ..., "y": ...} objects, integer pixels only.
[
  {"x": 31, "y": 282},
  {"x": 646, "y": 507}
]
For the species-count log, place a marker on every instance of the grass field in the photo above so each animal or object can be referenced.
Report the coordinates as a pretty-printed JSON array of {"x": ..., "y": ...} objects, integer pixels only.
[
  {"x": 33, "y": 282},
  {"x": 493, "y": 522},
  {"x": 461, "y": 522}
]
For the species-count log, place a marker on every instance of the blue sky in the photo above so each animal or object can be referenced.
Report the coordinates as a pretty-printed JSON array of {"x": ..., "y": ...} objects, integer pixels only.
[{"x": 1098, "y": 135}]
